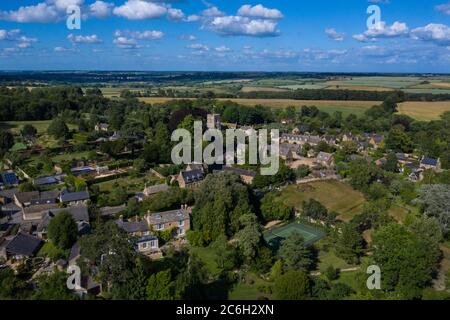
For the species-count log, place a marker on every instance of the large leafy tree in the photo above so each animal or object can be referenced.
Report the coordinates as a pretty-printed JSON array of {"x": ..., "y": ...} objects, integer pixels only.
[
  {"x": 220, "y": 202},
  {"x": 293, "y": 285},
  {"x": 58, "y": 129},
  {"x": 274, "y": 210},
  {"x": 314, "y": 209},
  {"x": 6, "y": 141},
  {"x": 160, "y": 286},
  {"x": 435, "y": 201},
  {"x": 295, "y": 254},
  {"x": 53, "y": 287},
  {"x": 407, "y": 260},
  {"x": 62, "y": 230},
  {"x": 349, "y": 244}
]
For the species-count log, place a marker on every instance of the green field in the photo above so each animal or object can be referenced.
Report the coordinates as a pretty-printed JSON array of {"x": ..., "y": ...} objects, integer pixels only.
[
  {"x": 41, "y": 126},
  {"x": 336, "y": 196}
]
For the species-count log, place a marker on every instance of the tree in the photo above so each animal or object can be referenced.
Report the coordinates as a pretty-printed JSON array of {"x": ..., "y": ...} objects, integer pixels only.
[
  {"x": 62, "y": 230},
  {"x": 28, "y": 131},
  {"x": 11, "y": 286},
  {"x": 434, "y": 200},
  {"x": 6, "y": 141},
  {"x": 113, "y": 252},
  {"x": 302, "y": 171},
  {"x": 407, "y": 261},
  {"x": 249, "y": 237},
  {"x": 399, "y": 141},
  {"x": 391, "y": 164},
  {"x": 274, "y": 210},
  {"x": 339, "y": 291},
  {"x": 220, "y": 202},
  {"x": 160, "y": 286},
  {"x": 295, "y": 254},
  {"x": 53, "y": 287},
  {"x": 58, "y": 129},
  {"x": 331, "y": 273},
  {"x": 225, "y": 254},
  {"x": 349, "y": 244},
  {"x": 293, "y": 285},
  {"x": 314, "y": 209}
]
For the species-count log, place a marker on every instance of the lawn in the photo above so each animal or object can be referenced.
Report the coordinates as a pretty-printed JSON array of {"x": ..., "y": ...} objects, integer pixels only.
[
  {"x": 41, "y": 126},
  {"x": 335, "y": 195},
  {"x": 329, "y": 258},
  {"x": 208, "y": 256},
  {"x": 131, "y": 184},
  {"x": 70, "y": 156},
  {"x": 424, "y": 111},
  {"x": 250, "y": 289}
]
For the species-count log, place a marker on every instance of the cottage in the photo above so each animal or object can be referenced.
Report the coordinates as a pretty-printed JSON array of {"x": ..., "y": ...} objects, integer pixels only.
[
  {"x": 146, "y": 243},
  {"x": 325, "y": 159},
  {"x": 80, "y": 215},
  {"x": 375, "y": 140},
  {"x": 246, "y": 175},
  {"x": 178, "y": 220},
  {"x": 49, "y": 180},
  {"x": 22, "y": 246},
  {"x": 152, "y": 190},
  {"x": 190, "y": 179},
  {"x": 290, "y": 152},
  {"x": 31, "y": 198},
  {"x": 74, "y": 198},
  {"x": 101, "y": 127},
  {"x": 430, "y": 164}
]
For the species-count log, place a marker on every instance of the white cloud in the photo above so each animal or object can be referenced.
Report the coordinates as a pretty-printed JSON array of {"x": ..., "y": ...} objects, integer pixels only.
[
  {"x": 9, "y": 34},
  {"x": 100, "y": 9},
  {"x": 259, "y": 11},
  {"x": 222, "y": 49},
  {"x": 40, "y": 13},
  {"x": 382, "y": 30},
  {"x": 244, "y": 26},
  {"x": 63, "y": 49},
  {"x": 444, "y": 8},
  {"x": 333, "y": 34},
  {"x": 140, "y": 35},
  {"x": 188, "y": 37},
  {"x": 198, "y": 47},
  {"x": 175, "y": 14},
  {"x": 212, "y": 12},
  {"x": 83, "y": 39},
  {"x": 139, "y": 10},
  {"x": 193, "y": 18},
  {"x": 434, "y": 32},
  {"x": 125, "y": 43}
]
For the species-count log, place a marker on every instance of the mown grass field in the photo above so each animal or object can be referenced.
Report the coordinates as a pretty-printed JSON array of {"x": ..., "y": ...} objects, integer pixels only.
[
  {"x": 41, "y": 126},
  {"x": 424, "y": 111},
  {"x": 336, "y": 196}
]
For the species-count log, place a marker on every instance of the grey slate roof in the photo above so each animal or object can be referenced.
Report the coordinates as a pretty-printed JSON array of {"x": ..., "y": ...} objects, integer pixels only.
[
  {"x": 110, "y": 211},
  {"x": 156, "y": 189},
  {"x": 67, "y": 196},
  {"x": 133, "y": 226},
  {"x": 168, "y": 216},
  {"x": 23, "y": 244},
  {"x": 78, "y": 213},
  {"x": 192, "y": 176},
  {"x": 241, "y": 172}
]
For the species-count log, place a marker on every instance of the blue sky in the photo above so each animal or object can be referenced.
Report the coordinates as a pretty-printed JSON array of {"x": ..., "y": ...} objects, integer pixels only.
[{"x": 227, "y": 35}]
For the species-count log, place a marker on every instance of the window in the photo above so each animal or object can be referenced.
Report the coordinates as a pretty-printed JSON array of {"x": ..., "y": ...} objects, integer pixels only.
[
  {"x": 180, "y": 231},
  {"x": 160, "y": 226},
  {"x": 153, "y": 244},
  {"x": 144, "y": 245},
  {"x": 181, "y": 223}
]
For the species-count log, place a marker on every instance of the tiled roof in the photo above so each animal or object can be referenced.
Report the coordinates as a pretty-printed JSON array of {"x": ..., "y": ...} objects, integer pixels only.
[
  {"x": 192, "y": 176},
  {"x": 133, "y": 226},
  {"x": 23, "y": 244},
  {"x": 168, "y": 216},
  {"x": 241, "y": 172},
  {"x": 74, "y": 196}
]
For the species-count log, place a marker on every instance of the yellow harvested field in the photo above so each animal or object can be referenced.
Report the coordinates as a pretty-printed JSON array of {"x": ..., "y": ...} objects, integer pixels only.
[
  {"x": 425, "y": 111},
  {"x": 362, "y": 88},
  {"x": 284, "y": 102},
  {"x": 262, "y": 89}
]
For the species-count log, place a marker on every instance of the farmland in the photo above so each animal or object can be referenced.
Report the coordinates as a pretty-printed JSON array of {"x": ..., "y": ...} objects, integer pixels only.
[{"x": 424, "y": 110}]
